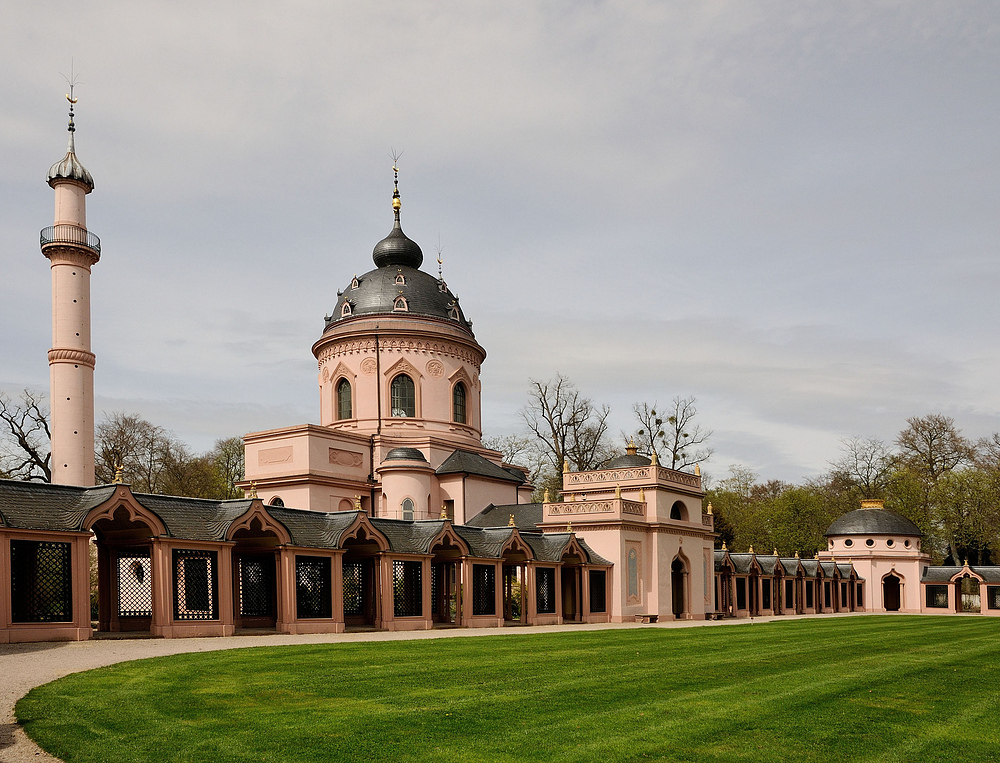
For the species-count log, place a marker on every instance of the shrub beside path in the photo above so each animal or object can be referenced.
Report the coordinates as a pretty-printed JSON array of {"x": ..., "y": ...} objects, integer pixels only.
[{"x": 25, "y": 666}]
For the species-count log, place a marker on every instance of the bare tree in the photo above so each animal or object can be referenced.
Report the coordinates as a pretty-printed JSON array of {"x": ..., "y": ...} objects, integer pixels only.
[
  {"x": 672, "y": 434},
  {"x": 567, "y": 426},
  {"x": 141, "y": 449},
  {"x": 228, "y": 457},
  {"x": 867, "y": 463},
  {"x": 25, "y": 447},
  {"x": 932, "y": 446},
  {"x": 512, "y": 446}
]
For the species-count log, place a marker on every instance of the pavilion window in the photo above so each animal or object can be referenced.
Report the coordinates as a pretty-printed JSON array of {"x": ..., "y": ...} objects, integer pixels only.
[
  {"x": 403, "y": 397},
  {"x": 484, "y": 589},
  {"x": 827, "y": 593},
  {"x": 313, "y": 587},
  {"x": 937, "y": 596},
  {"x": 789, "y": 594},
  {"x": 458, "y": 403},
  {"x": 408, "y": 509},
  {"x": 195, "y": 585},
  {"x": 765, "y": 594},
  {"x": 545, "y": 590},
  {"x": 809, "y": 593},
  {"x": 843, "y": 593},
  {"x": 993, "y": 597},
  {"x": 407, "y": 590},
  {"x": 741, "y": 593},
  {"x": 41, "y": 582},
  {"x": 598, "y": 591},
  {"x": 860, "y": 600},
  {"x": 345, "y": 409}
]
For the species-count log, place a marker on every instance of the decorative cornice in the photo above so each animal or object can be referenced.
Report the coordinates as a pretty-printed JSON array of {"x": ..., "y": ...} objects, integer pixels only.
[
  {"x": 68, "y": 254},
  {"x": 65, "y": 355},
  {"x": 389, "y": 345}
]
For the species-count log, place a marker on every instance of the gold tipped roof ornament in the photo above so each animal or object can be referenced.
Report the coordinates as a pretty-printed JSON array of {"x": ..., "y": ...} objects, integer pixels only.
[
  {"x": 724, "y": 546},
  {"x": 510, "y": 522},
  {"x": 631, "y": 449},
  {"x": 709, "y": 507},
  {"x": 252, "y": 495},
  {"x": 751, "y": 549},
  {"x": 642, "y": 495},
  {"x": 618, "y": 490},
  {"x": 357, "y": 503},
  {"x": 565, "y": 465},
  {"x": 569, "y": 527},
  {"x": 654, "y": 461},
  {"x": 797, "y": 555},
  {"x": 444, "y": 512},
  {"x": 119, "y": 467},
  {"x": 774, "y": 553},
  {"x": 396, "y": 202},
  {"x": 545, "y": 498},
  {"x": 697, "y": 470}
]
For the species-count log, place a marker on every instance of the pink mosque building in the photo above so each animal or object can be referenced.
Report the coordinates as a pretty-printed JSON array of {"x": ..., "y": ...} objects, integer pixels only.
[{"x": 390, "y": 513}]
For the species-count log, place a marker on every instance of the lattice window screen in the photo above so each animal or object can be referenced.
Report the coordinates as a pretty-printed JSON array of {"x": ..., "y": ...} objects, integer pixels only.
[
  {"x": 484, "y": 589},
  {"x": 312, "y": 586},
  {"x": 407, "y": 590},
  {"x": 135, "y": 583},
  {"x": 545, "y": 590},
  {"x": 41, "y": 582},
  {"x": 354, "y": 603},
  {"x": 195, "y": 585}
]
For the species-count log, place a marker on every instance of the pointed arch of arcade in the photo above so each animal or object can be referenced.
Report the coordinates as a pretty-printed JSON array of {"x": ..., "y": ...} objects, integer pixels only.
[
  {"x": 680, "y": 586},
  {"x": 447, "y": 551},
  {"x": 132, "y": 568},
  {"x": 958, "y": 581},
  {"x": 754, "y": 573},
  {"x": 262, "y": 584},
  {"x": 516, "y": 595},
  {"x": 363, "y": 574},
  {"x": 572, "y": 581},
  {"x": 725, "y": 589}
]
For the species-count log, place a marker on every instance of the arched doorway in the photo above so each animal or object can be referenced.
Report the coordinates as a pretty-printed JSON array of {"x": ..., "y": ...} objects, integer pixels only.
[
  {"x": 124, "y": 572},
  {"x": 360, "y": 569},
  {"x": 514, "y": 576},
  {"x": 445, "y": 566},
  {"x": 967, "y": 594},
  {"x": 572, "y": 587},
  {"x": 255, "y": 567},
  {"x": 890, "y": 593},
  {"x": 678, "y": 580}
]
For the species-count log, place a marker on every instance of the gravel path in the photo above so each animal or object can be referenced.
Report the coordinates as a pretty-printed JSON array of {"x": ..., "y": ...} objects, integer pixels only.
[{"x": 25, "y": 666}]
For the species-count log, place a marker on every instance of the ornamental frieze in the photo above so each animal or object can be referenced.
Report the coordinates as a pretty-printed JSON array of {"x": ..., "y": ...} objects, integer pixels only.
[
  {"x": 81, "y": 357},
  {"x": 394, "y": 345}
]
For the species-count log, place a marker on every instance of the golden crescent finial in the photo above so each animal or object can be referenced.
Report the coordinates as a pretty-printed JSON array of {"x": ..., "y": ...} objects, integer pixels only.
[{"x": 71, "y": 99}]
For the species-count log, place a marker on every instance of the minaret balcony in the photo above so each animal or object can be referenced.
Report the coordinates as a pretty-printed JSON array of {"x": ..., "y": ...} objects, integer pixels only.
[{"x": 71, "y": 235}]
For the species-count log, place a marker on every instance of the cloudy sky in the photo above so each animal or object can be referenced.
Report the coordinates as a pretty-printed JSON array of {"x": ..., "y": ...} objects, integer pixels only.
[{"x": 788, "y": 210}]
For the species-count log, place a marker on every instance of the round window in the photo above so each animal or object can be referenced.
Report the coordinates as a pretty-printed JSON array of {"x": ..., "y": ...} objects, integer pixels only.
[
  {"x": 848, "y": 542},
  {"x": 869, "y": 543},
  {"x": 890, "y": 542},
  {"x": 906, "y": 543}
]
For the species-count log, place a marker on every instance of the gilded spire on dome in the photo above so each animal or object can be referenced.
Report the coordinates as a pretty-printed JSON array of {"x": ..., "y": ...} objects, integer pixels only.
[
  {"x": 69, "y": 167},
  {"x": 397, "y": 248}
]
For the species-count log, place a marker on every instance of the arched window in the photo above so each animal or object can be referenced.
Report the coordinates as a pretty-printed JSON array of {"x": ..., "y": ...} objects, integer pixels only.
[
  {"x": 403, "y": 397},
  {"x": 346, "y": 309},
  {"x": 276, "y": 501},
  {"x": 400, "y": 305},
  {"x": 678, "y": 510},
  {"x": 344, "y": 409},
  {"x": 400, "y": 280},
  {"x": 407, "y": 509},
  {"x": 458, "y": 403}
]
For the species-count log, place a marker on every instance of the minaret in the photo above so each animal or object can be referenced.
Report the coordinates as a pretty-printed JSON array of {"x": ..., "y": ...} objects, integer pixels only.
[{"x": 72, "y": 250}]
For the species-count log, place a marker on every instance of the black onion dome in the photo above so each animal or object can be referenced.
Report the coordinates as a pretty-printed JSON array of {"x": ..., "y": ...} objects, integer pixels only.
[
  {"x": 397, "y": 249},
  {"x": 623, "y": 462},
  {"x": 398, "y": 290},
  {"x": 404, "y": 454},
  {"x": 873, "y": 522}
]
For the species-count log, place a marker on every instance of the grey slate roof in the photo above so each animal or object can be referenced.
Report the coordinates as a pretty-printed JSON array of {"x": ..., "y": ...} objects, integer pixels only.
[
  {"x": 377, "y": 291},
  {"x": 829, "y": 568},
  {"x": 409, "y": 537},
  {"x": 313, "y": 529},
  {"x": 790, "y": 566},
  {"x": 467, "y": 462},
  {"x": 720, "y": 557},
  {"x": 194, "y": 518},
  {"x": 408, "y": 454},
  {"x": 873, "y": 522},
  {"x": 810, "y": 567},
  {"x": 939, "y": 574},
  {"x": 527, "y": 516},
  {"x": 767, "y": 563},
  {"x": 845, "y": 569},
  {"x": 742, "y": 562},
  {"x": 623, "y": 462},
  {"x": 484, "y": 542},
  {"x": 40, "y": 506}
]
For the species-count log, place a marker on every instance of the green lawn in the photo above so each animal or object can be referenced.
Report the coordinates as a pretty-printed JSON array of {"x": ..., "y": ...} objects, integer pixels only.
[{"x": 864, "y": 688}]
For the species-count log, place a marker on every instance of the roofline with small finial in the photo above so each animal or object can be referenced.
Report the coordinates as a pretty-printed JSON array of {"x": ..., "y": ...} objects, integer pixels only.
[{"x": 69, "y": 167}]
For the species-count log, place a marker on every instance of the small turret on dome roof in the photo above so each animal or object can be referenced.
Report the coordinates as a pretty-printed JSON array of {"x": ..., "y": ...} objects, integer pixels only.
[
  {"x": 397, "y": 248},
  {"x": 69, "y": 167}
]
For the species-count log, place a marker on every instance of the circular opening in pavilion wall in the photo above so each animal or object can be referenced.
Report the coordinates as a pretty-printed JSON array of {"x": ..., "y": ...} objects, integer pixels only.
[
  {"x": 906, "y": 543},
  {"x": 848, "y": 542},
  {"x": 869, "y": 543},
  {"x": 890, "y": 542}
]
